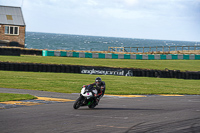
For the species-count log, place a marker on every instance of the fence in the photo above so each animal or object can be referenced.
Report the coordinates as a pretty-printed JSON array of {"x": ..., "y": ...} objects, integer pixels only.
[
  {"x": 122, "y": 56},
  {"x": 153, "y": 49}
]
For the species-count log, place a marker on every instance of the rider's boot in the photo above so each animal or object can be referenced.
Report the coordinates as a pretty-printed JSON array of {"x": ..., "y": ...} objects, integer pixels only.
[{"x": 97, "y": 101}]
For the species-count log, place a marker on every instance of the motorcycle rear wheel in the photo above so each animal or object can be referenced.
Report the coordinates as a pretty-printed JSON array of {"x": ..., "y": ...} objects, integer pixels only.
[{"x": 92, "y": 106}]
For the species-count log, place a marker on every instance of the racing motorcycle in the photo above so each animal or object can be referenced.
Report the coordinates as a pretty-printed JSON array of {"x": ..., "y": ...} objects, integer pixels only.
[{"x": 87, "y": 97}]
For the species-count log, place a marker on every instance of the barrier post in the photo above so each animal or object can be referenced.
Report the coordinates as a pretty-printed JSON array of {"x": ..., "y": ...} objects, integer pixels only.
[
  {"x": 114, "y": 56},
  {"x": 50, "y": 53},
  {"x": 44, "y": 53},
  {"x": 197, "y": 57},
  {"x": 101, "y": 55},
  {"x": 127, "y": 56},
  {"x": 75, "y": 54},
  {"x": 88, "y": 55}
]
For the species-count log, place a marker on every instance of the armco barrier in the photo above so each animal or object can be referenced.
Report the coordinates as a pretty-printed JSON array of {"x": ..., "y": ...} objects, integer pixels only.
[
  {"x": 35, "y": 67},
  {"x": 122, "y": 56}
]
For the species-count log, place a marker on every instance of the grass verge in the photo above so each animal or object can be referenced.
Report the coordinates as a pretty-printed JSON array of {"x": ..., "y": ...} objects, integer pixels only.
[
  {"x": 72, "y": 83},
  {"x": 183, "y": 65},
  {"x": 15, "y": 97}
]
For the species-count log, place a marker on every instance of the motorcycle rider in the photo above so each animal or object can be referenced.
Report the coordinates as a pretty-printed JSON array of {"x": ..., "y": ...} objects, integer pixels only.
[{"x": 100, "y": 86}]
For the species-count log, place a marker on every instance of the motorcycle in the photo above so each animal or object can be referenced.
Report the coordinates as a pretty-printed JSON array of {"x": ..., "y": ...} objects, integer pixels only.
[{"x": 86, "y": 98}]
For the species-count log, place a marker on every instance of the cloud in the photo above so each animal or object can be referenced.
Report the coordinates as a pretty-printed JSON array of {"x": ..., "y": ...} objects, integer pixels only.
[
  {"x": 125, "y": 18},
  {"x": 131, "y": 2},
  {"x": 125, "y": 9}
]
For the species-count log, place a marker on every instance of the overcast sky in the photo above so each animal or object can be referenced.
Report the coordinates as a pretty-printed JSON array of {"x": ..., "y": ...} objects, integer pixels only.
[{"x": 146, "y": 19}]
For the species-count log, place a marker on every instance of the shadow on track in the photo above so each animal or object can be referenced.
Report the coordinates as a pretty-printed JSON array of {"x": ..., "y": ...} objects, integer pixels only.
[{"x": 116, "y": 109}]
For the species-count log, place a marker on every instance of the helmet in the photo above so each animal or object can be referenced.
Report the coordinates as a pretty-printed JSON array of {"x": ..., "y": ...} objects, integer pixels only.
[{"x": 98, "y": 81}]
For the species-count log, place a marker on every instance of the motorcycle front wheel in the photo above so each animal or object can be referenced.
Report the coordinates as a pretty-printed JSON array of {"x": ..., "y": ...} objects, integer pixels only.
[{"x": 77, "y": 104}]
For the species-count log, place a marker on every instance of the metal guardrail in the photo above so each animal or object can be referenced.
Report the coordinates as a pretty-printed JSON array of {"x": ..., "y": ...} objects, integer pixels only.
[{"x": 153, "y": 49}]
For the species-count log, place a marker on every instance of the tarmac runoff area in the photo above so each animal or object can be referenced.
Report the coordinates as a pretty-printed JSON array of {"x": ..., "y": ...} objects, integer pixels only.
[
  {"x": 53, "y": 112},
  {"x": 48, "y": 100},
  {"x": 38, "y": 101}
]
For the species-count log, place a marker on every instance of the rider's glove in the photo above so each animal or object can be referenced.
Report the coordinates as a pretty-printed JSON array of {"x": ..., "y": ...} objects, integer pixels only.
[{"x": 95, "y": 95}]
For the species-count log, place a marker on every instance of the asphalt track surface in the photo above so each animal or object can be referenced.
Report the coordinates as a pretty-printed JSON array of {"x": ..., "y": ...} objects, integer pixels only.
[{"x": 150, "y": 114}]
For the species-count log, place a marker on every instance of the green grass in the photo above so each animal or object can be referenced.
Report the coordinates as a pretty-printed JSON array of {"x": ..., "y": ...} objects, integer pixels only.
[
  {"x": 183, "y": 65},
  {"x": 72, "y": 83},
  {"x": 15, "y": 97}
]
